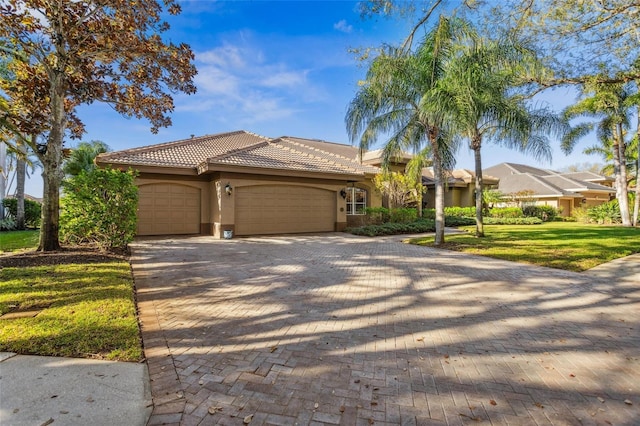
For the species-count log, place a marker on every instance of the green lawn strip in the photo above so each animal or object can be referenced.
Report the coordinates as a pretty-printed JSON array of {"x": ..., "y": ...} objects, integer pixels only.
[
  {"x": 18, "y": 240},
  {"x": 88, "y": 311},
  {"x": 569, "y": 246}
]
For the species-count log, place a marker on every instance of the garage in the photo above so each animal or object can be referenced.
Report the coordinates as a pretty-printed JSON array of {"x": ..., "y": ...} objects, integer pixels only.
[
  {"x": 278, "y": 209},
  {"x": 168, "y": 208}
]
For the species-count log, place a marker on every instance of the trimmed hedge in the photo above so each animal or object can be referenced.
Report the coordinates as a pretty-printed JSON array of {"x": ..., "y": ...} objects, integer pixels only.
[
  {"x": 416, "y": 227},
  {"x": 545, "y": 213},
  {"x": 505, "y": 212},
  {"x": 512, "y": 221},
  {"x": 32, "y": 211}
]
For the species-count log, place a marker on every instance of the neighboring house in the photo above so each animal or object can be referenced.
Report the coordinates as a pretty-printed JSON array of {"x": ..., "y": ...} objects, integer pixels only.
[
  {"x": 459, "y": 189},
  {"x": 247, "y": 184},
  {"x": 564, "y": 191}
]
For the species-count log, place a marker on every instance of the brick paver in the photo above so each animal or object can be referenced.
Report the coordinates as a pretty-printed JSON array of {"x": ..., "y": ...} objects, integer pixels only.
[{"x": 336, "y": 329}]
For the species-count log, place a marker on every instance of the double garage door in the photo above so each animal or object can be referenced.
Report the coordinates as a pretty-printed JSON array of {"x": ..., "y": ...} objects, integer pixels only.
[
  {"x": 272, "y": 209},
  {"x": 168, "y": 209}
]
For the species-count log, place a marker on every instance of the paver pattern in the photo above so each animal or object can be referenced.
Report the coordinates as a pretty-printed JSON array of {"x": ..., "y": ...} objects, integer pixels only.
[{"x": 337, "y": 329}]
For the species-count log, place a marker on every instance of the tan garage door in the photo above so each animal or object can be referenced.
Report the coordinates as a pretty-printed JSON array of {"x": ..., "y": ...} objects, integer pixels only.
[
  {"x": 167, "y": 208},
  {"x": 284, "y": 210}
]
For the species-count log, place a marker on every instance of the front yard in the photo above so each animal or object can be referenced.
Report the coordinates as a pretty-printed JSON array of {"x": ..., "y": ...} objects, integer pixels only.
[
  {"x": 18, "y": 240},
  {"x": 68, "y": 304},
  {"x": 561, "y": 245}
]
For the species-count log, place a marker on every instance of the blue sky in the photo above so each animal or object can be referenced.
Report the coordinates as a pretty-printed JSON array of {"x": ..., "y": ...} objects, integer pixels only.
[{"x": 274, "y": 68}]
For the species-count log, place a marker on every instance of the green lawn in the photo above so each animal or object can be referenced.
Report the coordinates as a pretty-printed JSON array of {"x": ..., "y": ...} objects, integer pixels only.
[
  {"x": 18, "y": 240},
  {"x": 562, "y": 245},
  {"x": 88, "y": 311}
]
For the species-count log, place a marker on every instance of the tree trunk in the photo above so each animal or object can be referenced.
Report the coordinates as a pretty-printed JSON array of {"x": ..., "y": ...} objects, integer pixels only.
[
  {"x": 476, "y": 144},
  {"x": 52, "y": 167},
  {"x": 620, "y": 168},
  {"x": 21, "y": 170},
  {"x": 636, "y": 204},
  {"x": 3, "y": 179},
  {"x": 438, "y": 176}
]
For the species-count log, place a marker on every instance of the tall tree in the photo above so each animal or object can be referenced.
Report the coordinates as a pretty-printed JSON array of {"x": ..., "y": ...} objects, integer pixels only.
[
  {"x": 478, "y": 95},
  {"x": 390, "y": 102},
  {"x": 82, "y": 156},
  {"x": 609, "y": 104},
  {"x": 81, "y": 52}
]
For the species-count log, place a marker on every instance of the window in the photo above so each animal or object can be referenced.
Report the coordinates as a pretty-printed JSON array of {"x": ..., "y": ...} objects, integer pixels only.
[{"x": 356, "y": 200}]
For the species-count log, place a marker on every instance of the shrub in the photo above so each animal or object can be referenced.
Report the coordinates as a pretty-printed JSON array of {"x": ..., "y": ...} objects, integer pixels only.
[
  {"x": 376, "y": 215},
  {"x": 460, "y": 211},
  {"x": 7, "y": 224},
  {"x": 580, "y": 214},
  {"x": 403, "y": 215},
  {"x": 393, "y": 228},
  {"x": 506, "y": 212},
  {"x": 32, "y": 211},
  {"x": 459, "y": 221},
  {"x": 512, "y": 221},
  {"x": 545, "y": 213},
  {"x": 606, "y": 213},
  {"x": 99, "y": 207}
]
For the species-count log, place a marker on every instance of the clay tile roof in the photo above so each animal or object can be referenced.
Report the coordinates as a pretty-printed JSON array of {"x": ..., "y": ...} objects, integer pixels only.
[
  {"x": 284, "y": 154},
  {"x": 183, "y": 153}
]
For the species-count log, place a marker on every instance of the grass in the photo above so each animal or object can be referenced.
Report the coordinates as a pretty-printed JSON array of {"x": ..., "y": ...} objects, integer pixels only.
[
  {"x": 569, "y": 246},
  {"x": 18, "y": 240},
  {"x": 88, "y": 311}
]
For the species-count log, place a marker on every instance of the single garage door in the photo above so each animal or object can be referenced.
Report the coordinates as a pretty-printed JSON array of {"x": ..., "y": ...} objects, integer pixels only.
[
  {"x": 167, "y": 209},
  {"x": 283, "y": 210}
]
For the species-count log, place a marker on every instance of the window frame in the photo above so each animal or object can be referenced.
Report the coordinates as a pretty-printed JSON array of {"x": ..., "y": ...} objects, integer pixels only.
[{"x": 356, "y": 207}]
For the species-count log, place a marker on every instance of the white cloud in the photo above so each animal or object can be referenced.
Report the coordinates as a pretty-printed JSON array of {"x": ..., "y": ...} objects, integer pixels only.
[
  {"x": 240, "y": 82},
  {"x": 343, "y": 26}
]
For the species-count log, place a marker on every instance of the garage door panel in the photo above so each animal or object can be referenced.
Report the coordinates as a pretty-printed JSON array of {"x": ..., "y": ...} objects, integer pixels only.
[
  {"x": 165, "y": 209},
  {"x": 284, "y": 209}
]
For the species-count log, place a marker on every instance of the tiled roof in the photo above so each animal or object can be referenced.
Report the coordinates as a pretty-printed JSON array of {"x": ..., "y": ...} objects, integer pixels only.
[
  {"x": 543, "y": 183},
  {"x": 245, "y": 149},
  {"x": 184, "y": 153}
]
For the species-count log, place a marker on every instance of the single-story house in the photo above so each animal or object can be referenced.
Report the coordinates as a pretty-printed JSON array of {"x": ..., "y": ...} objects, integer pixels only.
[
  {"x": 459, "y": 190},
  {"x": 247, "y": 184},
  {"x": 564, "y": 191}
]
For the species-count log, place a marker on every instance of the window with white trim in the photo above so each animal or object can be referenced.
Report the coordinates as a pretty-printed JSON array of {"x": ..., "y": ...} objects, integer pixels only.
[{"x": 356, "y": 200}]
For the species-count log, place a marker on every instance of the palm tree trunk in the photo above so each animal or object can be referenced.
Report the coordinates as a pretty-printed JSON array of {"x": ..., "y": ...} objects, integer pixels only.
[
  {"x": 438, "y": 177},
  {"x": 21, "y": 170},
  {"x": 479, "y": 186},
  {"x": 636, "y": 203},
  {"x": 3, "y": 179},
  {"x": 620, "y": 167}
]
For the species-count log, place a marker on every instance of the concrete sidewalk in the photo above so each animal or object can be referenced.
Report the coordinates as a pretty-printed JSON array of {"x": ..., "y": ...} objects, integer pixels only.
[{"x": 37, "y": 390}]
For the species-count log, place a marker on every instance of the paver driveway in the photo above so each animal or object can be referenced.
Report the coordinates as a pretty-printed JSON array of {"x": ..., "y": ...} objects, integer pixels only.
[{"x": 337, "y": 329}]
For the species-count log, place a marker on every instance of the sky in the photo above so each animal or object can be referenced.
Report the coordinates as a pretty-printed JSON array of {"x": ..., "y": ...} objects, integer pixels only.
[{"x": 276, "y": 68}]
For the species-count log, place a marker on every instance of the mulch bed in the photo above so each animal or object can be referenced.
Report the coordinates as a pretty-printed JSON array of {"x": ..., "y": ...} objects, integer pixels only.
[{"x": 64, "y": 256}]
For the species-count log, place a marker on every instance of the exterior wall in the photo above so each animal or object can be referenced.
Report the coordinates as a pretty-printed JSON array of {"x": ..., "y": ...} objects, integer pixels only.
[{"x": 223, "y": 205}]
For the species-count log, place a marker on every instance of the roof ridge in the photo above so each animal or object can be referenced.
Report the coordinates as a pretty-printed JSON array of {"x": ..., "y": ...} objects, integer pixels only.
[
  {"x": 286, "y": 138},
  {"x": 181, "y": 142},
  {"x": 307, "y": 154},
  {"x": 543, "y": 182},
  {"x": 237, "y": 150}
]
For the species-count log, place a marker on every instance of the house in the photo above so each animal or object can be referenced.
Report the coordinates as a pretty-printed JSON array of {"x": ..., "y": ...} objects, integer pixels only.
[
  {"x": 247, "y": 184},
  {"x": 564, "y": 191},
  {"x": 459, "y": 190}
]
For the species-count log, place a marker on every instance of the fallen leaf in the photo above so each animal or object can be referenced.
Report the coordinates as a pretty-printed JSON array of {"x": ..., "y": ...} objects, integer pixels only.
[
  {"x": 601, "y": 399},
  {"x": 421, "y": 339},
  {"x": 626, "y": 401},
  {"x": 90, "y": 399},
  {"x": 371, "y": 421},
  {"x": 273, "y": 349},
  {"x": 48, "y": 422},
  {"x": 537, "y": 404},
  {"x": 247, "y": 419},
  {"x": 446, "y": 356},
  {"x": 201, "y": 382},
  {"x": 572, "y": 375},
  {"x": 374, "y": 404},
  {"x": 342, "y": 408},
  {"x": 213, "y": 410},
  {"x": 356, "y": 381},
  {"x": 492, "y": 402},
  {"x": 316, "y": 405},
  {"x": 475, "y": 419}
]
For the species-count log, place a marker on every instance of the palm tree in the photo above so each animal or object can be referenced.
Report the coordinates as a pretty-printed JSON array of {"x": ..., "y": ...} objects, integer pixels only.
[
  {"x": 390, "y": 103},
  {"x": 611, "y": 105},
  {"x": 82, "y": 157},
  {"x": 477, "y": 94}
]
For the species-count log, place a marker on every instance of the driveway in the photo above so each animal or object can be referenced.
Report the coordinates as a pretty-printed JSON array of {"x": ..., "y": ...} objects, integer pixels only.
[{"x": 338, "y": 329}]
